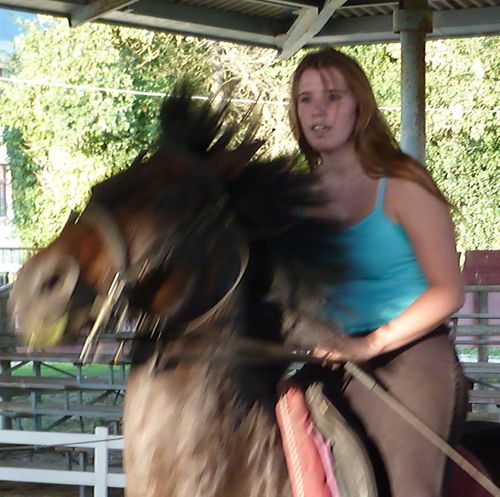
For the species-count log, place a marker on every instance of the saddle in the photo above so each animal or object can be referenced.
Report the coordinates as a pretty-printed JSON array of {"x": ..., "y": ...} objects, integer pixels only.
[
  {"x": 324, "y": 455},
  {"x": 326, "y": 458}
]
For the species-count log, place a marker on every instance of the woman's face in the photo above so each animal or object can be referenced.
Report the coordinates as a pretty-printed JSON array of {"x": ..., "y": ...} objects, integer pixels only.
[{"x": 326, "y": 110}]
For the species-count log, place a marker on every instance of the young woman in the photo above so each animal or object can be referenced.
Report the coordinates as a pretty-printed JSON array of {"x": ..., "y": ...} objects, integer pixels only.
[{"x": 402, "y": 275}]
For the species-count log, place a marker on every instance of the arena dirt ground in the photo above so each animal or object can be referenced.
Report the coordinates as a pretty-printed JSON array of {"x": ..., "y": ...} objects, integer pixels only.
[{"x": 16, "y": 489}]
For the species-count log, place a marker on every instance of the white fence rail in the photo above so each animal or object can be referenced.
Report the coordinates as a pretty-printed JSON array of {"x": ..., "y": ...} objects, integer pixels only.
[{"x": 100, "y": 478}]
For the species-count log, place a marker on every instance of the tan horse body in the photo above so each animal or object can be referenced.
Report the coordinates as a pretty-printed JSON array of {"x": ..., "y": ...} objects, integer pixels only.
[{"x": 182, "y": 439}]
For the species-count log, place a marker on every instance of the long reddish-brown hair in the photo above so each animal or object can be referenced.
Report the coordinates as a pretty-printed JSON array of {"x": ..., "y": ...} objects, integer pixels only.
[{"x": 377, "y": 148}]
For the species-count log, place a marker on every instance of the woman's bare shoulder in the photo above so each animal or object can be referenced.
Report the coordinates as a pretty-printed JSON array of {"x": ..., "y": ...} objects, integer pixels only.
[{"x": 408, "y": 197}]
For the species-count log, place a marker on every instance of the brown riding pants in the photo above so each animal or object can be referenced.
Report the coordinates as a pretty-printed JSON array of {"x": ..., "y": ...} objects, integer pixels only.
[{"x": 427, "y": 379}]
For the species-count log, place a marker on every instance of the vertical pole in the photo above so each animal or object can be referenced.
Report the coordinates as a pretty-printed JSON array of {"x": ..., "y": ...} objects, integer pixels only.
[
  {"x": 482, "y": 347},
  {"x": 101, "y": 462},
  {"x": 413, "y": 22},
  {"x": 37, "y": 396},
  {"x": 7, "y": 343},
  {"x": 5, "y": 421},
  {"x": 482, "y": 308},
  {"x": 413, "y": 94}
]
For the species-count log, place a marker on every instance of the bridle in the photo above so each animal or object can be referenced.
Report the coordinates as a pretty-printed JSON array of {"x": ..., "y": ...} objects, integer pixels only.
[{"x": 128, "y": 275}]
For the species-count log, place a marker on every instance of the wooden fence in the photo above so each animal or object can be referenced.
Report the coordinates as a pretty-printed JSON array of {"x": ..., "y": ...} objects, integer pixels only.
[{"x": 97, "y": 475}]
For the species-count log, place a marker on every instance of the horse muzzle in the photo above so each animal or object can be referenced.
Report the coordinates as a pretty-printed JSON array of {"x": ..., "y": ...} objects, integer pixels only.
[{"x": 50, "y": 304}]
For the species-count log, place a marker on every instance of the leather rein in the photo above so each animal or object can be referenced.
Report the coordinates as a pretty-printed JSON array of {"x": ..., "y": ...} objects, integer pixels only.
[
  {"x": 128, "y": 275},
  {"x": 239, "y": 349}
]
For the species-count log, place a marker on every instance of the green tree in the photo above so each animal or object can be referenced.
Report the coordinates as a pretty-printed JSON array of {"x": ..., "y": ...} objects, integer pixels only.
[
  {"x": 462, "y": 134},
  {"x": 63, "y": 136},
  {"x": 62, "y": 140}
]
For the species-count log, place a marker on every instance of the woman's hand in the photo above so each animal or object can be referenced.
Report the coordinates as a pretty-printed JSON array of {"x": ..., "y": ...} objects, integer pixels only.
[
  {"x": 327, "y": 341},
  {"x": 354, "y": 349}
]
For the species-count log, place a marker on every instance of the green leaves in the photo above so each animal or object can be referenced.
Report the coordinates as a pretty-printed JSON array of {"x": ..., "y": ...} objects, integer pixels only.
[
  {"x": 72, "y": 130},
  {"x": 67, "y": 128},
  {"x": 462, "y": 129}
]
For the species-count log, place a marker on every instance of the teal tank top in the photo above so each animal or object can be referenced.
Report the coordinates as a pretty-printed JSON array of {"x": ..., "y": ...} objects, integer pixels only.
[{"x": 382, "y": 276}]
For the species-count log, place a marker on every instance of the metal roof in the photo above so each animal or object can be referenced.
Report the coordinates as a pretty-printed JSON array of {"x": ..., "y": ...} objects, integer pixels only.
[{"x": 283, "y": 24}]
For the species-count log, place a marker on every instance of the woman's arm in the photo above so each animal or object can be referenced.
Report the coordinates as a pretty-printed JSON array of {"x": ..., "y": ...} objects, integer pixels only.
[{"x": 429, "y": 226}]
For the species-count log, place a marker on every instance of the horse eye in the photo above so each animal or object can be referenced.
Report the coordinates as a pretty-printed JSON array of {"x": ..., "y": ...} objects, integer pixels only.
[{"x": 50, "y": 283}]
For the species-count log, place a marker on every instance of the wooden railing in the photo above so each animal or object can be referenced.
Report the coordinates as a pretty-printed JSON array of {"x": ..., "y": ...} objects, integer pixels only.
[
  {"x": 97, "y": 475},
  {"x": 62, "y": 395},
  {"x": 476, "y": 328}
]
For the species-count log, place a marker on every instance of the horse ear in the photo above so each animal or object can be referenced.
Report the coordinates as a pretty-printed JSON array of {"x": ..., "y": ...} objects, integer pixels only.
[{"x": 228, "y": 164}]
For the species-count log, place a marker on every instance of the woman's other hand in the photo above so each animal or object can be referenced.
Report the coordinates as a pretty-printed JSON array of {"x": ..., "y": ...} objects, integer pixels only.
[{"x": 343, "y": 348}]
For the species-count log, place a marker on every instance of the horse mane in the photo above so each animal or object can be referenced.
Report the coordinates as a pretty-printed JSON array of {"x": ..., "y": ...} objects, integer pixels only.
[
  {"x": 267, "y": 196},
  {"x": 200, "y": 126}
]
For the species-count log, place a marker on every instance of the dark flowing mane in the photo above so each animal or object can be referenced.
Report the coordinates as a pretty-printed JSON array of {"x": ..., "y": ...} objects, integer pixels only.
[{"x": 267, "y": 196}]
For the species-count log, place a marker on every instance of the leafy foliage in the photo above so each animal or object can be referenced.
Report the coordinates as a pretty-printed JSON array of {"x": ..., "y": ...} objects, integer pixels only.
[
  {"x": 462, "y": 120},
  {"x": 62, "y": 140}
]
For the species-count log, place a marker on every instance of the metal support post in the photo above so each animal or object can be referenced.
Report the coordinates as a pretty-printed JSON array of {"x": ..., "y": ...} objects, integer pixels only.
[{"x": 413, "y": 22}]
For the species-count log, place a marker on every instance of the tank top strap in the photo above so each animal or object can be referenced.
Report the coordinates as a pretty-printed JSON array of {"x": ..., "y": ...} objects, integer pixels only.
[{"x": 381, "y": 193}]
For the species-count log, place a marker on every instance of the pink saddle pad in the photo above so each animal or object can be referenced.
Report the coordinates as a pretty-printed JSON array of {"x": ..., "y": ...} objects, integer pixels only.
[{"x": 307, "y": 453}]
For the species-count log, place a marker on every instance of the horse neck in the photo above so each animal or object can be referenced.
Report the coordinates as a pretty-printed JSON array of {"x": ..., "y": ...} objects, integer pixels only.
[{"x": 217, "y": 419}]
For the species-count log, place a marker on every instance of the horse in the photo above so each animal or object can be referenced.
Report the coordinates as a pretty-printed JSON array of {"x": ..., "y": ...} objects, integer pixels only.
[{"x": 202, "y": 245}]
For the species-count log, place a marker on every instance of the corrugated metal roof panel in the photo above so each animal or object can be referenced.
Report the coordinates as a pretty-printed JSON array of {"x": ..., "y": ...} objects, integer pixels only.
[
  {"x": 265, "y": 22},
  {"x": 247, "y": 7}
]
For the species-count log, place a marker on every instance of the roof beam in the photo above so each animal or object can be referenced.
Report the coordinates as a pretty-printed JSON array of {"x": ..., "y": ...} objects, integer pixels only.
[
  {"x": 373, "y": 3},
  {"x": 379, "y": 29},
  {"x": 295, "y": 4},
  {"x": 95, "y": 9},
  {"x": 253, "y": 30},
  {"x": 198, "y": 21},
  {"x": 466, "y": 22},
  {"x": 309, "y": 22}
]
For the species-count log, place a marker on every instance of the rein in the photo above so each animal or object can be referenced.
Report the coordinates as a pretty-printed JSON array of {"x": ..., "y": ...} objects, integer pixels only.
[
  {"x": 127, "y": 275},
  {"x": 242, "y": 350},
  {"x": 252, "y": 350}
]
